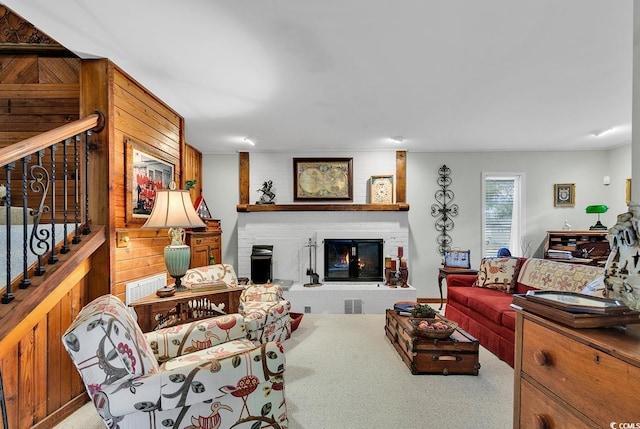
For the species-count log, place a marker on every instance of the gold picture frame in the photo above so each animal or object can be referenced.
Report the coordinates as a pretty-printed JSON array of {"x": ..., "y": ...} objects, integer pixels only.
[
  {"x": 628, "y": 191},
  {"x": 145, "y": 172},
  {"x": 564, "y": 195},
  {"x": 318, "y": 179},
  {"x": 381, "y": 189}
]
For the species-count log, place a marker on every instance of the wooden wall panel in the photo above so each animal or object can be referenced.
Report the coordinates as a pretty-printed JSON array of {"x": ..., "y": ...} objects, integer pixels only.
[
  {"x": 192, "y": 166},
  {"x": 140, "y": 116}
]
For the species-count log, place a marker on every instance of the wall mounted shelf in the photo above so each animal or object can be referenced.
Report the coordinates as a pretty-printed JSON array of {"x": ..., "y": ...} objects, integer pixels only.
[{"x": 246, "y": 208}]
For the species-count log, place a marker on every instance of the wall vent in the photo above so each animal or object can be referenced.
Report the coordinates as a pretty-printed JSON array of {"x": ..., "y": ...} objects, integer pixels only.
[
  {"x": 352, "y": 306},
  {"x": 143, "y": 287}
]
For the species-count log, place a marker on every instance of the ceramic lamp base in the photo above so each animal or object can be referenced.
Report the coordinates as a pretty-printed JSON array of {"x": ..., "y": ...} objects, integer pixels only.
[{"x": 177, "y": 258}]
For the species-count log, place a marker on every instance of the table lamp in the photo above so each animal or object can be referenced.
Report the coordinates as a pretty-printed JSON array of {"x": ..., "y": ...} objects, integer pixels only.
[
  {"x": 599, "y": 208},
  {"x": 173, "y": 209}
]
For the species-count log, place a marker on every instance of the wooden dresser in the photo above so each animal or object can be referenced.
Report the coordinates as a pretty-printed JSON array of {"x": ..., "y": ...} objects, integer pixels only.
[
  {"x": 575, "y": 378},
  {"x": 206, "y": 245}
]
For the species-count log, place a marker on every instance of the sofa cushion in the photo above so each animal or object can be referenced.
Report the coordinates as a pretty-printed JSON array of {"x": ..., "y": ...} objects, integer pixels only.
[
  {"x": 509, "y": 319},
  {"x": 546, "y": 274},
  {"x": 498, "y": 273},
  {"x": 491, "y": 305}
]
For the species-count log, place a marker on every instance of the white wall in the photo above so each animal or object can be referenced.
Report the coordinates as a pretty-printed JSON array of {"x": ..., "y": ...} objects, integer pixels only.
[{"x": 542, "y": 169}]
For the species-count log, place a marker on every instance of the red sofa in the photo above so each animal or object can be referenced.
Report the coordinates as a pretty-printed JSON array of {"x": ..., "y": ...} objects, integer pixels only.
[{"x": 486, "y": 313}]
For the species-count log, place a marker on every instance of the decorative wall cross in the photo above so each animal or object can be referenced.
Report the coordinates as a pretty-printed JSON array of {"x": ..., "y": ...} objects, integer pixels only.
[{"x": 443, "y": 209}]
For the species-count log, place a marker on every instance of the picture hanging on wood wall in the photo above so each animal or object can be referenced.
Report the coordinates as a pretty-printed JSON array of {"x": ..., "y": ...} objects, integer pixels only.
[
  {"x": 145, "y": 173},
  {"x": 564, "y": 195}
]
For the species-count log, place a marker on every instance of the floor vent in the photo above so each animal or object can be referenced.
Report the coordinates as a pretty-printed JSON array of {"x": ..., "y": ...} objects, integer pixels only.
[
  {"x": 352, "y": 306},
  {"x": 143, "y": 287}
]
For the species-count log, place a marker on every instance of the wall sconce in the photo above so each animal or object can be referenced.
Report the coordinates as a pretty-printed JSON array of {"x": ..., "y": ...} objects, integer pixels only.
[
  {"x": 173, "y": 209},
  {"x": 599, "y": 208}
]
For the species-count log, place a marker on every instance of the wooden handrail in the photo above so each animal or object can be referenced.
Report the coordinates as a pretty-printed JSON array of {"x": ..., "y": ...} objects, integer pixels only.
[{"x": 17, "y": 151}]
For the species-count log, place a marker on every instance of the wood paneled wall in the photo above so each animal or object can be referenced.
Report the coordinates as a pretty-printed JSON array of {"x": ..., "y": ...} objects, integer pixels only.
[
  {"x": 134, "y": 114},
  {"x": 39, "y": 380}
]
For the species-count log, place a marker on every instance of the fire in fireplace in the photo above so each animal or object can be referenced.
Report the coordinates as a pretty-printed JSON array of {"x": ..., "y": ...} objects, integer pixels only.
[{"x": 353, "y": 260}]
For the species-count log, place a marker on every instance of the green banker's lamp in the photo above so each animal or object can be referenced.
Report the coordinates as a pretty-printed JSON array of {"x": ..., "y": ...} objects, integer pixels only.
[
  {"x": 173, "y": 209},
  {"x": 599, "y": 208}
]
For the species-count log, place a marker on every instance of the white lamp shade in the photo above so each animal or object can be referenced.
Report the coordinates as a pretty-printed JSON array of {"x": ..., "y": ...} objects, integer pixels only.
[{"x": 173, "y": 209}]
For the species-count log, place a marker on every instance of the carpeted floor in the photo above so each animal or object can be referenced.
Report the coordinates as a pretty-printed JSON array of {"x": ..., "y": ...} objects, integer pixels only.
[{"x": 343, "y": 373}]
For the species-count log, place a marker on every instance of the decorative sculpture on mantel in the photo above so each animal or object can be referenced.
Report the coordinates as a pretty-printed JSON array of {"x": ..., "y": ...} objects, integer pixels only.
[
  {"x": 268, "y": 195},
  {"x": 443, "y": 209},
  {"x": 622, "y": 271}
]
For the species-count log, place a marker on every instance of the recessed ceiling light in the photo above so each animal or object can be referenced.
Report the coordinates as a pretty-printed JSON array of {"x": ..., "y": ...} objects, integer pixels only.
[
  {"x": 397, "y": 139},
  {"x": 602, "y": 131},
  {"x": 248, "y": 140}
]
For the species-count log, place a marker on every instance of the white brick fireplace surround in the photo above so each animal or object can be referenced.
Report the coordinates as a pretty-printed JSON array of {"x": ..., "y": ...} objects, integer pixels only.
[{"x": 289, "y": 233}]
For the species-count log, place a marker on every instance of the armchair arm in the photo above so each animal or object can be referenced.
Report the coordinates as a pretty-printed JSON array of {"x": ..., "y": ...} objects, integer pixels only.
[
  {"x": 461, "y": 280},
  {"x": 194, "y": 380},
  {"x": 178, "y": 340},
  {"x": 240, "y": 373}
]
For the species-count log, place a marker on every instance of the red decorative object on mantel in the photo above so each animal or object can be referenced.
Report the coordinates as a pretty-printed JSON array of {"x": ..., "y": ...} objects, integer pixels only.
[{"x": 400, "y": 252}]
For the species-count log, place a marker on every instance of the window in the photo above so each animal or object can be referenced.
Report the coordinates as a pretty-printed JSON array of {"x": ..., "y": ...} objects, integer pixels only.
[{"x": 502, "y": 212}]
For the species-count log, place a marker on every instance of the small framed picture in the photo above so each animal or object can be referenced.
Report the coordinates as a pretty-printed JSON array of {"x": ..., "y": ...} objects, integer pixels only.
[{"x": 564, "y": 195}]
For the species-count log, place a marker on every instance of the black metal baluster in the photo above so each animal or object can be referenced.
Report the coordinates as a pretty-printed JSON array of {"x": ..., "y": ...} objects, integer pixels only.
[
  {"x": 25, "y": 282},
  {"x": 76, "y": 190},
  {"x": 53, "y": 258},
  {"x": 65, "y": 193},
  {"x": 87, "y": 229},
  {"x": 8, "y": 294}
]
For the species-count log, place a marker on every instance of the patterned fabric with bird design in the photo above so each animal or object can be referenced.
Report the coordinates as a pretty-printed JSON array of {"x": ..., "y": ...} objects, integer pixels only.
[
  {"x": 213, "y": 377},
  {"x": 266, "y": 313}
]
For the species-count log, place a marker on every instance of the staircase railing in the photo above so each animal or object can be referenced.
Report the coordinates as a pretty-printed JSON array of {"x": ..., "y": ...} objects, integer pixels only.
[{"x": 53, "y": 167}]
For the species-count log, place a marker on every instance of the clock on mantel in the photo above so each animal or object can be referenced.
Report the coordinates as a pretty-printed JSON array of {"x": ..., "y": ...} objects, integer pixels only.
[{"x": 381, "y": 189}]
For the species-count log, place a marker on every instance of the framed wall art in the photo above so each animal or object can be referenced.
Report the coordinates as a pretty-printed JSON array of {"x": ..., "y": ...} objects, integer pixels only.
[
  {"x": 381, "y": 190},
  {"x": 145, "y": 172},
  {"x": 317, "y": 179},
  {"x": 564, "y": 195},
  {"x": 628, "y": 191}
]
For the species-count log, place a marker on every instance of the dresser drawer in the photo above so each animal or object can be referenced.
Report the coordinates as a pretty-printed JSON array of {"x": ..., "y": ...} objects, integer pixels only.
[
  {"x": 538, "y": 411},
  {"x": 570, "y": 370},
  {"x": 214, "y": 240}
]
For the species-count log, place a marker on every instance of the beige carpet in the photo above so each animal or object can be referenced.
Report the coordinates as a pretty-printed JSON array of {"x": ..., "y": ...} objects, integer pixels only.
[{"x": 343, "y": 373}]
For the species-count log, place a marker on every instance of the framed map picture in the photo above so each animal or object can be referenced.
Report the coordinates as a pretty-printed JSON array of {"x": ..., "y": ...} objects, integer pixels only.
[
  {"x": 317, "y": 179},
  {"x": 564, "y": 195}
]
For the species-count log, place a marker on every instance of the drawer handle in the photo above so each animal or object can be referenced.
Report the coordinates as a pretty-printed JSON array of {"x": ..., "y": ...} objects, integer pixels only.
[
  {"x": 198, "y": 241},
  {"x": 542, "y": 357},
  {"x": 541, "y": 421}
]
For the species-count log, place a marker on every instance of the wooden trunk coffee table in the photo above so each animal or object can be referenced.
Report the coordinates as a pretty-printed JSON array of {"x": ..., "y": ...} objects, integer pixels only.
[{"x": 457, "y": 354}]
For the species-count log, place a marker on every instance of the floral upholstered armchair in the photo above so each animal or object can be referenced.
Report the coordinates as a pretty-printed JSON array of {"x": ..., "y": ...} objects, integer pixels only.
[
  {"x": 203, "y": 374},
  {"x": 266, "y": 313},
  {"x": 211, "y": 273}
]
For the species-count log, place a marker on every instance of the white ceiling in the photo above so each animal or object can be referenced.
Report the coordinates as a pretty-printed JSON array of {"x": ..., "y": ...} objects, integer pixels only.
[{"x": 333, "y": 75}]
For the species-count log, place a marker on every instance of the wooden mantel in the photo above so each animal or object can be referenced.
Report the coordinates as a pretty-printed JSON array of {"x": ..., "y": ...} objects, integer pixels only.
[{"x": 400, "y": 205}]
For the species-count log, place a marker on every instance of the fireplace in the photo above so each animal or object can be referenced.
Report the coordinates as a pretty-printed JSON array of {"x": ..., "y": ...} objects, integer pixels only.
[{"x": 353, "y": 260}]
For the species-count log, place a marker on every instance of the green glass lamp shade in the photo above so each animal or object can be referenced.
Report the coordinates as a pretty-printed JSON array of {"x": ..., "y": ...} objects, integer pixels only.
[{"x": 598, "y": 208}]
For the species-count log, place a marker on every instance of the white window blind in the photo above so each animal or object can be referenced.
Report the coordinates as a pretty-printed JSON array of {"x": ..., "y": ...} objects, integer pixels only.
[{"x": 501, "y": 213}]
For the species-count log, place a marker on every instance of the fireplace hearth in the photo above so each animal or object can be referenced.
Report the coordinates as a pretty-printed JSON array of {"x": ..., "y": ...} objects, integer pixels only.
[{"x": 353, "y": 260}]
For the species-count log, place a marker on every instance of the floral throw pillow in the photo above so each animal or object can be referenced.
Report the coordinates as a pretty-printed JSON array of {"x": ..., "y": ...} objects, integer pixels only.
[{"x": 498, "y": 273}]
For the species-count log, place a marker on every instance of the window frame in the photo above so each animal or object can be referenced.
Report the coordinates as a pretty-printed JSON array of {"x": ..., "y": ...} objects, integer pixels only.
[{"x": 515, "y": 245}]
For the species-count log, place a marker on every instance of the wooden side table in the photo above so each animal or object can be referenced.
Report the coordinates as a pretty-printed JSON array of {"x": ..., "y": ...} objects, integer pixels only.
[
  {"x": 443, "y": 272},
  {"x": 155, "y": 312}
]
